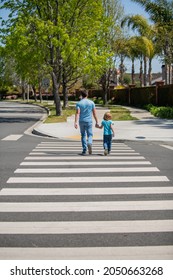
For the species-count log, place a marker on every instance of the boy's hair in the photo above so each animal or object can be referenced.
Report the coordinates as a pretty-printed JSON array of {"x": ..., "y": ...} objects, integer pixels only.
[
  {"x": 107, "y": 116},
  {"x": 83, "y": 93}
]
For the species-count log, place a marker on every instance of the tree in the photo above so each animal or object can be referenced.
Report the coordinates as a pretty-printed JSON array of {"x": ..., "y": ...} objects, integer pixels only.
[
  {"x": 113, "y": 12},
  {"x": 121, "y": 49},
  {"x": 161, "y": 13},
  {"x": 60, "y": 28},
  {"x": 140, "y": 23},
  {"x": 5, "y": 71},
  {"x": 28, "y": 60}
]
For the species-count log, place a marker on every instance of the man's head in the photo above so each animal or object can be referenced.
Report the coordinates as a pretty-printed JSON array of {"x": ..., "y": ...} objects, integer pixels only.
[{"x": 83, "y": 93}]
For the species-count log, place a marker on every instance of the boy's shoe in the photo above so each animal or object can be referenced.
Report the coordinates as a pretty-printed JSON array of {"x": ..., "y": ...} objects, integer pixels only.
[
  {"x": 90, "y": 149},
  {"x": 105, "y": 152}
]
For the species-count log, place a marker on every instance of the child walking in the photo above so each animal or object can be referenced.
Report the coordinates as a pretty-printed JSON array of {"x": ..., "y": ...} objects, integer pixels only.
[{"x": 108, "y": 132}]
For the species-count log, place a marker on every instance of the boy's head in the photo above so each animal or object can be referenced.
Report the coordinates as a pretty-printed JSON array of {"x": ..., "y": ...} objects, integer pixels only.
[{"x": 107, "y": 116}]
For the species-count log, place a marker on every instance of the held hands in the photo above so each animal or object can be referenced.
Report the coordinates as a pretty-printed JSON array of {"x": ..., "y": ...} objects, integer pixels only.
[
  {"x": 76, "y": 125},
  {"x": 97, "y": 125}
]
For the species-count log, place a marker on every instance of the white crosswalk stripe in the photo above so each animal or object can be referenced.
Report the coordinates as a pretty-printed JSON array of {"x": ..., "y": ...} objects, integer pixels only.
[
  {"x": 80, "y": 180},
  {"x": 85, "y": 227},
  {"x": 85, "y": 170},
  {"x": 86, "y": 206},
  {"x": 12, "y": 137},
  {"x": 87, "y": 162},
  {"x": 90, "y": 253},
  {"x": 85, "y": 191},
  {"x": 71, "y": 210}
]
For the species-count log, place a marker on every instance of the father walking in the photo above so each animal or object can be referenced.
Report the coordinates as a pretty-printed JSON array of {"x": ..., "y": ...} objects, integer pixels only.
[{"x": 85, "y": 108}]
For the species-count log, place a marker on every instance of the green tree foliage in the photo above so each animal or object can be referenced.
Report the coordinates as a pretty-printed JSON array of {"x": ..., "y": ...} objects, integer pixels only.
[
  {"x": 161, "y": 13},
  {"x": 113, "y": 12},
  {"x": 63, "y": 37},
  {"x": 146, "y": 33}
]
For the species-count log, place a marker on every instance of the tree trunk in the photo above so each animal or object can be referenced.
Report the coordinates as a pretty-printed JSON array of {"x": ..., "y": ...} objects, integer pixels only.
[
  {"x": 65, "y": 93},
  {"x": 122, "y": 70},
  {"x": 141, "y": 74},
  {"x": 57, "y": 100},
  {"x": 23, "y": 91},
  {"x": 145, "y": 70},
  {"x": 150, "y": 72},
  {"x": 34, "y": 93},
  {"x": 39, "y": 92},
  {"x": 133, "y": 72},
  {"x": 105, "y": 96}
]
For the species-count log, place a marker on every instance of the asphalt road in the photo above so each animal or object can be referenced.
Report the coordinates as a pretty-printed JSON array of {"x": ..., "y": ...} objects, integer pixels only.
[
  {"x": 114, "y": 207},
  {"x": 16, "y": 119}
]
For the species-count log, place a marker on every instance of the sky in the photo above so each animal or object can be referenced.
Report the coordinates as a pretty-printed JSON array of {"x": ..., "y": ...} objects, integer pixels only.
[{"x": 131, "y": 8}]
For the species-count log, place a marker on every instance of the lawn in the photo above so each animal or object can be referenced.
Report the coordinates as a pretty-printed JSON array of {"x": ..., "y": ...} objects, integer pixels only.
[{"x": 120, "y": 114}]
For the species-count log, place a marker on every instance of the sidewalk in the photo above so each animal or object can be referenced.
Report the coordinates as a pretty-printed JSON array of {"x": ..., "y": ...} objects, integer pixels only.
[{"x": 147, "y": 128}]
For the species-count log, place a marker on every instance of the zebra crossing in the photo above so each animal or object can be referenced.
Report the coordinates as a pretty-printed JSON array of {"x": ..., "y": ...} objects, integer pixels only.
[{"x": 61, "y": 205}]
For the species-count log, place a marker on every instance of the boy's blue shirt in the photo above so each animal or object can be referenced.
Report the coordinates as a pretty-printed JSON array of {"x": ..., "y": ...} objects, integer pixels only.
[
  {"x": 86, "y": 107},
  {"x": 107, "y": 127}
]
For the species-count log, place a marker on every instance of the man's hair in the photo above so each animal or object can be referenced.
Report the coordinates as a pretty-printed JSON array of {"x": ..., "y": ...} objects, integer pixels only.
[{"x": 83, "y": 93}]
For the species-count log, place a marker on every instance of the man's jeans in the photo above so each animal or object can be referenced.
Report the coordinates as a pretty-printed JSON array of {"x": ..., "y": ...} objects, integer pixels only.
[
  {"x": 107, "y": 142},
  {"x": 86, "y": 129}
]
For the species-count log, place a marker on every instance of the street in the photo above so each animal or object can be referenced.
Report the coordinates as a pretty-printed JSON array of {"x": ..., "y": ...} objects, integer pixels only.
[{"x": 57, "y": 204}]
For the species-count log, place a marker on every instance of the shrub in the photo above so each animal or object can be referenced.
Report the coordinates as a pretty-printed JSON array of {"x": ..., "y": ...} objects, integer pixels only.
[{"x": 160, "y": 112}]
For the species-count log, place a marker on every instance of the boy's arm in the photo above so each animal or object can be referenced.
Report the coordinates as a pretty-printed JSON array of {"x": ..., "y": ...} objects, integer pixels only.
[{"x": 113, "y": 132}]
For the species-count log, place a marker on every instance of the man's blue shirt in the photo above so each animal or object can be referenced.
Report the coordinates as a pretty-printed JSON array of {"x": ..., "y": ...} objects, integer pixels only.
[{"x": 86, "y": 107}]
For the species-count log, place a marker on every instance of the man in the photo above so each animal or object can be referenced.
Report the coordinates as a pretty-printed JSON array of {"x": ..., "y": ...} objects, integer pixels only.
[{"x": 84, "y": 110}]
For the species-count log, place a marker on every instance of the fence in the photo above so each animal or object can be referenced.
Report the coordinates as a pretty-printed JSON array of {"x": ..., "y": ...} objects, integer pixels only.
[{"x": 155, "y": 95}]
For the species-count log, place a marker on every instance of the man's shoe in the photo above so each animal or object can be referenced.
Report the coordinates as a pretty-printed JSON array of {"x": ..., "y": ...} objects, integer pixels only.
[
  {"x": 90, "y": 149},
  {"x": 105, "y": 152},
  {"x": 83, "y": 153}
]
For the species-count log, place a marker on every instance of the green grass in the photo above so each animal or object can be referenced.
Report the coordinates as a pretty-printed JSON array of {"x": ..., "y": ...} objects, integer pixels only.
[
  {"x": 121, "y": 114},
  {"x": 118, "y": 113},
  {"x": 52, "y": 118}
]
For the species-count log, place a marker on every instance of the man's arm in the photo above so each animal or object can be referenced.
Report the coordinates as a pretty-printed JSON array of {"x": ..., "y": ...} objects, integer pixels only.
[
  {"x": 76, "y": 118},
  {"x": 95, "y": 117}
]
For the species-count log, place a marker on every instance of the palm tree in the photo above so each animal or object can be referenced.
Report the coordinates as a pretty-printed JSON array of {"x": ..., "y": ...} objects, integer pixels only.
[
  {"x": 135, "y": 46},
  {"x": 145, "y": 30},
  {"x": 121, "y": 49},
  {"x": 161, "y": 13}
]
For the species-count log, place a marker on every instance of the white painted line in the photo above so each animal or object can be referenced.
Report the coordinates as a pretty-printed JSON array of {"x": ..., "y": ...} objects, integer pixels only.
[
  {"x": 95, "y": 154},
  {"x": 72, "y": 149},
  {"x": 167, "y": 146},
  {"x": 79, "y": 153},
  {"x": 86, "y": 191},
  {"x": 86, "y": 170},
  {"x": 86, "y": 227},
  {"x": 88, "y": 206},
  {"x": 113, "y": 152},
  {"x": 70, "y": 163},
  {"x": 77, "y": 145},
  {"x": 89, "y": 253},
  {"x": 81, "y": 180},
  {"x": 12, "y": 137},
  {"x": 92, "y": 157},
  {"x": 72, "y": 143},
  {"x": 47, "y": 156}
]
